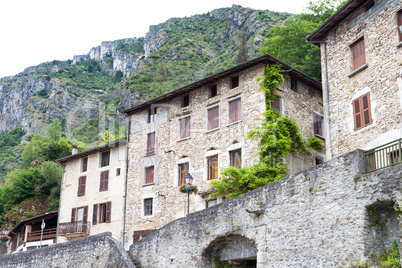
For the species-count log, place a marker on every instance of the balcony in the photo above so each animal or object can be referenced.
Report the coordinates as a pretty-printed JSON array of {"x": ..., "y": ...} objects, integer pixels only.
[
  {"x": 74, "y": 230},
  {"x": 383, "y": 156},
  {"x": 47, "y": 234}
]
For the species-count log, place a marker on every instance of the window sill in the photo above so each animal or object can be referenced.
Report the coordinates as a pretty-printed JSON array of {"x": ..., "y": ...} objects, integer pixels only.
[
  {"x": 103, "y": 190},
  {"x": 320, "y": 137},
  {"x": 148, "y": 184},
  {"x": 183, "y": 139},
  {"x": 212, "y": 130},
  {"x": 233, "y": 123},
  {"x": 149, "y": 154},
  {"x": 358, "y": 70},
  {"x": 399, "y": 44}
]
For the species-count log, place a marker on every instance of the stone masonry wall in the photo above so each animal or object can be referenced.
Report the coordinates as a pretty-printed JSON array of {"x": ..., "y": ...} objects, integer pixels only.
[
  {"x": 317, "y": 218},
  {"x": 93, "y": 251},
  {"x": 168, "y": 203},
  {"x": 381, "y": 77}
]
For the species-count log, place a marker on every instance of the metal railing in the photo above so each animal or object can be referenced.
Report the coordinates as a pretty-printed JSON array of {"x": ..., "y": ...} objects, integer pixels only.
[
  {"x": 74, "y": 227},
  {"x": 383, "y": 156},
  {"x": 138, "y": 235},
  {"x": 47, "y": 234}
]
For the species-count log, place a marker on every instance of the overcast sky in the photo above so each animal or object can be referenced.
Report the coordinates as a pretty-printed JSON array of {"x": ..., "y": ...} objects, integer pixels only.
[{"x": 32, "y": 32}]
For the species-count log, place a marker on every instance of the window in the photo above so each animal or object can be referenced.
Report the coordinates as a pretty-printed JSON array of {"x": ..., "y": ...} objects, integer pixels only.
[
  {"x": 213, "y": 118},
  {"x": 104, "y": 181},
  {"x": 148, "y": 206},
  {"x": 399, "y": 23},
  {"x": 210, "y": 203},
  {"x": 362, "y": 111},
  {"x": 184, "y": 127},
  {"x": 84, "y": 164},
  {"x": 212, "y": 167},
  {"x": 151, "y": 143},
  {"x": 185, "y": 101},
  {"x": 235, "y": 158},
  {"x": 235, "y": 81},
  {"x": 234, "y": 111},
  {"x": 358, "y": 53},
  {"x": 104, "y": 211},
  {"x": 318, "y": 125},
  {"x": 293, "y": 84},
  {"x": 276, "y": 104},
  {"x": 105, "y": 159},
  {"x": 81, "y": 185},
  {"x": 118, "y": 172},
  {"x": 79, "y": 214},
  {"x": 152, "y": 115},
  {"x": 149, "y": 175},
  {"x": 183, "y": 171},
  {"x": 213, "y": 91}
]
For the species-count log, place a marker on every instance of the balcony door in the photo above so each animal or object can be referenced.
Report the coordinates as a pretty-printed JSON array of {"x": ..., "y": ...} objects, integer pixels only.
[{"x": 80, "y": 219}]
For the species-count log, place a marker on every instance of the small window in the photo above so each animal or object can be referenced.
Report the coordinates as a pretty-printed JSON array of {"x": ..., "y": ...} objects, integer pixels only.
[
  {"x": 212, "y": 167},
  {"x": 318, "y": 125},
  {"x": 84, "y": 164},
  {"x": 399, "y": 24},
  {"x": 149, "y": 175},
  {"x": 148, "y": 206},
  {"x": 186, "y": 101},
  {"x": 293, "y": 84},
  {"x": 105, "y": 159},
  {"x": 276, "y": 104},
  {"x": 213, "y": 118},
  {"x": 184, "y": 127},
  {"x": 234, "y": 111},
  {"x": 151, "y": 143},
  {"x": 362, "y": 111},
  {"x": 104, "y": 181},
  {"x": 210, "y": 203},
  {"x": 81, "y": 185},
  {"x": 118, "y": 172},
  {"x": 235, "y": 81},
  {"x": 183, "y": 171},
  {"x": 213, "y": 91},
  {"x": 358, "y": 53},
  {"x": 102, "y": 213},
  {"x": 152, "y": 114},
  {"x": 235, "y": 158}
]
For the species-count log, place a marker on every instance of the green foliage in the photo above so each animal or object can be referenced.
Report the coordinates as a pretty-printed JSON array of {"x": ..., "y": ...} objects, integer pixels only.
[
  {"x": 118, "y": 76},
  {"x": 287, "y": 42},
  {"x": 136, "y": 47},
  {"x": 315, "y": 143},
  {"x": 388, "y": 259},
  {"x": 43, "y": 93},
  {"x": 11, "y": 150}
]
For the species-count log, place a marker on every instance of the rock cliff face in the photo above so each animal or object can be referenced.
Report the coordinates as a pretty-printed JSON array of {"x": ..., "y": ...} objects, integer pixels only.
[{"x": 56, "y": 90}]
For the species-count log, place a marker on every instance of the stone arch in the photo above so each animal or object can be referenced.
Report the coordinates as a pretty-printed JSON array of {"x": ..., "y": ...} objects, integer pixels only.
[{"x": 233, "y": 248}]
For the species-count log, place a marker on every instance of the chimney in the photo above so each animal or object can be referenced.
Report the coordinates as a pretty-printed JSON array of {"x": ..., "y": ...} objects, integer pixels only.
[{"x": 75, "y": 150}]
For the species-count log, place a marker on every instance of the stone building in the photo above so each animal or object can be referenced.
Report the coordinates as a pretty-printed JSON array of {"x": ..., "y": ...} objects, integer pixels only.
[
  {"x": 200, "y": 129},
  {"x": 361, "y": 52},
  {"x": 92, "y": 192}
]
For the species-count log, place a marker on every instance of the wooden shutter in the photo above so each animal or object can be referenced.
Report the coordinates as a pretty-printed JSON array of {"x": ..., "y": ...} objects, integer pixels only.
[
  {"x": 362, "y": 111},
  {"x": 95, "y": 215},
  {"x": 234, "y": 111},
  {"x": 399, "y": 23},
  {"x": 149, "y": 178},
  {"x": 151, "y": 143},
  {"x": 357, "y": 114},
  {"x": 213, "y": 118},
  {"x": 81, "y": 185},
  {"x": 317, "y": 125},
  {"x": 104, "y": 180},
  {"x": 359, "y": 54},
  {"x": 73, "y": 212},
  {"x": 366, "y": 109},
  {"x": 185, "y": 127},
  {"x": 108, "y": 211},
  {"x": 276, "y": 104}
]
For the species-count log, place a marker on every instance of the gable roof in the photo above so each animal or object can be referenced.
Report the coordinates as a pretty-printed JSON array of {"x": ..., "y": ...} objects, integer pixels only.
[
  {"x": 102, "y": 148},
  {"x": 32, "y": 220},
  {"x": 335, "y": 19},
  {"x": 266, "y": 58}
]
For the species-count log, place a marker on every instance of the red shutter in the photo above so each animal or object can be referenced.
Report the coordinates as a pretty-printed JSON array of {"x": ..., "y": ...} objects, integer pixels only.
[
  {"x": 149, "y": 175},
  {"x": 234, "y": 111},
  {"x": 95, "y": 215},
  {"x": 185, "y": 127},
  {"x": 213, "y": 118},
  {"x": 276, "y": 104},
  {"x": 108, "y": 211},
  {"x": 73, "y": 212},
  {"x": 151, "y": 143}
]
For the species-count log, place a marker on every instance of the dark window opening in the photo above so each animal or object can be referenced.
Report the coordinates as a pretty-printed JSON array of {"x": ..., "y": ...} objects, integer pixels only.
[
  {"x": 84, "y": 164},
  {"x": 293, "y": 84},
  {"x": 235, "y": 81},
  {"x": 213, "y": 91},
  {"x": 185, "y": 101},
  {"x": 152, "y": 114},
  {"x": 105, "y": 159},
  {"x": 118, "y": 172}
]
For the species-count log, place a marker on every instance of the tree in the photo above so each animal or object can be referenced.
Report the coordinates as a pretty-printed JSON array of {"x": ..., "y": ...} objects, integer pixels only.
[
  {"x": 160, "y": 82},
  {"x": 243, "y": 50},
  {"x": 54, "y": 130}
]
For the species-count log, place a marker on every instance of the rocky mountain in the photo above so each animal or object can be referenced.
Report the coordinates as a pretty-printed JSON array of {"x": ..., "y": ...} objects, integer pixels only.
[{"x": 88, "y": 91}]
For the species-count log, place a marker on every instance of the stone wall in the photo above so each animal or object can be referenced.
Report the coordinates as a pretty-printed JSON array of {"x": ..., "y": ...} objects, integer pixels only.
[
  {"x": 170, "y": 151},
  {"x": 317, "y": 218},
  {"x": 94, "y": 251},
  {"x": 381, "y": 77}
]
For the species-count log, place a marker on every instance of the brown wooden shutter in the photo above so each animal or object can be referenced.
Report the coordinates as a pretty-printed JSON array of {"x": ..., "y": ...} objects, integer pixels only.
[
  {"x": 234, "y": 111},
  {"x": 213, "y": 118},
  {"x": 185, "y": 127},
  {"x": 106, "y": 183},
  {"x": 149, "y": 175},
  {"x": 95, "y": 215},
  {"x": 276, "y": 104},
  {"x": 366, "y": 109},
  {"x": 359, "y": 54},
  {"x": 101, "y": 182},
  {"x": 151, "y": 143},
  {"x": 357, "y": 114},
  {"x": 73, "y": 212},
  {"x": 81, "y": 185},
  {"x": 362, "y": 111},
  {"x": 108, "y": 211}
]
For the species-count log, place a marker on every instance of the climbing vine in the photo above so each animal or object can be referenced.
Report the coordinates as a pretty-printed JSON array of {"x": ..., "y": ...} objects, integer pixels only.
[{"x": 278, "y": 136}]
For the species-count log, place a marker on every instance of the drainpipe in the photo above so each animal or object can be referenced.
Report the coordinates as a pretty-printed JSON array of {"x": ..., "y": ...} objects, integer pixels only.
[
  {"x": 327, "y": 92},
  {"x": 58, "y": 213},
  {"x": 125, "y": 186}
]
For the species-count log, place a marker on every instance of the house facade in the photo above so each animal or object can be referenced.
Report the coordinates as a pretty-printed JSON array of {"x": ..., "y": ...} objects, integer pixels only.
[
  {"x": 361, "y": 52},
  {"x": 200, "y": 129},
  {"x": 92, "y": 192}
]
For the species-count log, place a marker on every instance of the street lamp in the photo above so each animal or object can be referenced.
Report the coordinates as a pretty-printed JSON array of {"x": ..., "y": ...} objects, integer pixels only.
[
  {"x": 189, "y": 180},
  {"x": 4, "y": 239}
]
